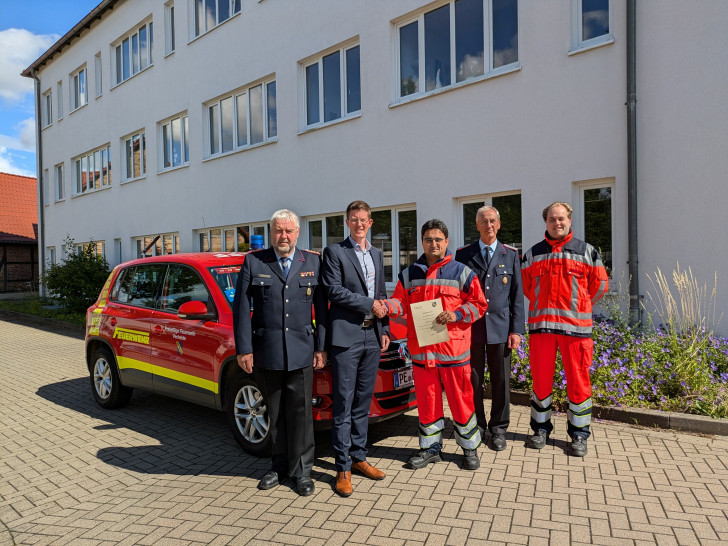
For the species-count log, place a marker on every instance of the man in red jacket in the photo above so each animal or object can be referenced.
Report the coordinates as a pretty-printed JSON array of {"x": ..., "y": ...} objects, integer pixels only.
[
  {"x": 436, "y": 276},
  {"x": 562, "y": 278}
]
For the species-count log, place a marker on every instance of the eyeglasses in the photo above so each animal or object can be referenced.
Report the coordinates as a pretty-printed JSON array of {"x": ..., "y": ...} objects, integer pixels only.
[
  {"x": 358, "y": 220},
  {"x": 431, "y": 240}
]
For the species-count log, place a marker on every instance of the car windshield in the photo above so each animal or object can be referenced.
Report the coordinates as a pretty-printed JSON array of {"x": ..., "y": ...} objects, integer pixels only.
[{"x": 226, "y": 278}]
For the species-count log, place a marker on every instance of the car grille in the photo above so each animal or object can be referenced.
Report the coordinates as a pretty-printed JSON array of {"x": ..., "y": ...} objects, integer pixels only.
[
  {"x": 391, "y": 359},
  {"x": 395, "y": 401}
]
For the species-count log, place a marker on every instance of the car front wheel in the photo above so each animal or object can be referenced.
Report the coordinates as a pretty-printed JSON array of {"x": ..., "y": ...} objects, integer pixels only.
[
  {"x": 105, "y": 382},
  {"x": 248, "y": 416}
]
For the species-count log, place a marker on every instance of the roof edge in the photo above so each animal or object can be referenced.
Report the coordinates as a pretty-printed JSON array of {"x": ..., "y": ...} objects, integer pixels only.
[{"x": 67, "y": 38}]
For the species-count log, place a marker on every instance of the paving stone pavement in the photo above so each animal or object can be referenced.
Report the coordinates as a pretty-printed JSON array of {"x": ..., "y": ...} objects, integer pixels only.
[{"x": 166, "y": 472}]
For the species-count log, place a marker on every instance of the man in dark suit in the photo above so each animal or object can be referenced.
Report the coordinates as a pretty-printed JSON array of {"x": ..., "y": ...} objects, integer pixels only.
[
  {"x": 280, "y": 343},
  {"x": 353, "y": 274},
  {"x": 499, "y": 331}
]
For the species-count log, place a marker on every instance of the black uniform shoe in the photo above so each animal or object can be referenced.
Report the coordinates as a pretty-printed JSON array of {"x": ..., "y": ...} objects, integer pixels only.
[
  {"x": 578, "y": 446},
  {"x": 304, "y": 486},
  {"x": 539, "y": 439},
  {"x": 422, "y": 458},
  {"x": 498, "y": 441},
  {"x": 472, "y": 462},
  {"x": 268, "y": 481}
]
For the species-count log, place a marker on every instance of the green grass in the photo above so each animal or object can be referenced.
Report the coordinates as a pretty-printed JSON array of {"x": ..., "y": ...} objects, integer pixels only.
[{"x": 33, "y": 305}]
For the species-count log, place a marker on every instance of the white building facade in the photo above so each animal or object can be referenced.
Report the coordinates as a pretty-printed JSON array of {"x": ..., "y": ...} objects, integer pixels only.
[{"x": 183, "y": 125}]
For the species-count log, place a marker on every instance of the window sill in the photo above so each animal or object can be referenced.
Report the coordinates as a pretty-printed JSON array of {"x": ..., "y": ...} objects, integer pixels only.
[
  {"x": 90, "y": 192},
  {"x": 516, "y": 67},
  {"x": 241, "y": 149},
  {"x": 317, "y": 126},
  {"x": 130, "y": 180},
  {"x": 46, "y": 127},
  {"x": 60, "y": 200},
  {"x": 595, "y": 43},
  {"x": 171, "y": 169},
  {"x": 130, "y": 78},
  {"x": 77, "y": 109},
  {"x": 233, "y": 16}
]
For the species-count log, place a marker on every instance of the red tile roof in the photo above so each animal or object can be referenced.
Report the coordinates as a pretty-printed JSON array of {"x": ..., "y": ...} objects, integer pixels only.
[{"x": 18, "y": 209}]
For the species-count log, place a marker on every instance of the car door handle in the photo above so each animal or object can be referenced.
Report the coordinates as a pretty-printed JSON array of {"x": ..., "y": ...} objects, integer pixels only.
[
  {"x": 158, "y": 330},
  {"x": 113, "y": 321}
]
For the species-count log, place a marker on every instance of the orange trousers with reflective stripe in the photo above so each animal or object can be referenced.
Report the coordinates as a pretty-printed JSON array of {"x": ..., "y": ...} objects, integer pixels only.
[
  {"x": 576, "y": 354},
  {"x": 458, "y": 389}
]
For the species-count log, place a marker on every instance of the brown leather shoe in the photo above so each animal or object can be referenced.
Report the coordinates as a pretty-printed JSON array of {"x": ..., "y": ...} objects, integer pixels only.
[
  {"x": 368, "y": 470},
  {"x": 343, "y": 484}
]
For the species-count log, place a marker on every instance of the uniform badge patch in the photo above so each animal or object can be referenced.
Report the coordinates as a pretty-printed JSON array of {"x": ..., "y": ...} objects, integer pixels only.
[
  {"x": 263, "y": 275},
  {"x": 505, "y": 280},
  {"x": 308, "y": 291},
  {"x": 306, "y": 273}
]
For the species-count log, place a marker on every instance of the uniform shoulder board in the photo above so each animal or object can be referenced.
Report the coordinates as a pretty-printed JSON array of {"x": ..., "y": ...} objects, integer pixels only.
[
  {"x": 462, "y": 247},
  {"x": 312, "y": 252},
  {"x": 256, "y": 250},
  {"x": 513, "y": 248}
]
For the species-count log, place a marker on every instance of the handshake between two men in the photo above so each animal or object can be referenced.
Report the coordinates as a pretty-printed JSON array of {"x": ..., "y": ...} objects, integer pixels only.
[{"x": 381, "y": 310}]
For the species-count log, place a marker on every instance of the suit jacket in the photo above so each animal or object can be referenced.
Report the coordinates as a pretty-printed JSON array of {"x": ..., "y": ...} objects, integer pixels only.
[
  {"x": 280, "y": 331},
  {"x": 346, "y": 287},
  {"x": 503, "y": 292}
]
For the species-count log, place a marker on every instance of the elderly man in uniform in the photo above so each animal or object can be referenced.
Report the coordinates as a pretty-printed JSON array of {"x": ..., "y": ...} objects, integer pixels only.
[
  {"x": 278, "y": 342},
  {"x": 498, "y": 267}
]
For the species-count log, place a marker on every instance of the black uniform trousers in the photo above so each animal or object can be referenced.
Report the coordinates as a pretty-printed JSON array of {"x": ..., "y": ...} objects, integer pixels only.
[
  {"x": 288, "y": 396},
  {"x": 499, "y": 367}
]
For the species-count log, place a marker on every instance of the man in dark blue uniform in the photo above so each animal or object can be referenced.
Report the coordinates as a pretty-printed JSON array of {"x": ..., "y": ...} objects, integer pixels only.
[
  {"x": 280, "y": 343},
  {"x": 499, "y": 332}
]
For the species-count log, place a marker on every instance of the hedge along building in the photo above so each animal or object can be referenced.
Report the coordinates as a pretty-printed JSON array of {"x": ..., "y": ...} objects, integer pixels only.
[{"x": 182, "y": 125}]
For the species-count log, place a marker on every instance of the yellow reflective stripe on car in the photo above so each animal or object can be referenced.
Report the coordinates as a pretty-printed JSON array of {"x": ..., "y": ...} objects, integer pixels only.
[
  {"x": 130, "y": 363},
  {"x": 105, "y": 292}
]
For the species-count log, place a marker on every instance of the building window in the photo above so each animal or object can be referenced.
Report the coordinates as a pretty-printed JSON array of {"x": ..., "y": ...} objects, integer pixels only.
[
  {"x": 456, "y": 42},
  {"x": 156, "y": 245},
  {"x": 325, "y": 231},
  {"x": 593, "y": 217},
  {"x": 394, "y": 232},
  {"x": 169, "y": 38},
  {"x": 135, "y": 156},
  {"x": 59, "y": 101},
  {"x": 92, "y": 171},
  {"x": 60, "y": 193},
  {"x": 98, "y": 74},
  {"x": 98, "y": 248},
  {"x": 241, "y": 119},
  {"x": 231, "y": 238},
  {"x": 78, "y": 96},
  {"x": 134, "y": 52},
  {"x": 332, "y": 86},
  {"x": 46, "y": 108},
  {"x": 210, "y": 13},
  {"x": 590, "y": 24},
  {"x": 51, "y": 253},
  {"x": 175, "y": 146},
  {"x": 45, "y": 187},
  {"x": 509, "y": 208}
]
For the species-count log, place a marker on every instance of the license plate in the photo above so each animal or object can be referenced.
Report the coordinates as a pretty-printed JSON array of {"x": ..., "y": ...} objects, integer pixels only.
[{"x": 403, "y": 378}]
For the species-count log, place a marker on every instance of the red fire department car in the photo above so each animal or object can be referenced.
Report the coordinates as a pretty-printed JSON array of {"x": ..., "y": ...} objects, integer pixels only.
[{"x": 164, "y": 324}]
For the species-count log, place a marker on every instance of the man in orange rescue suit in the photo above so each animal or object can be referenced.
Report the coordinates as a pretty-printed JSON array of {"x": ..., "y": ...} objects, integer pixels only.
[
  {"x": 436, "y": 276},
  {"x": 562, "y": 277},
  {"x": 276, "y": 340},
  {"x": 499, "y": 332}
]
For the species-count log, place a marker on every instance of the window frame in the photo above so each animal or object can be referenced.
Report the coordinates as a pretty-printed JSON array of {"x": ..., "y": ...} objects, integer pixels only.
[
  {"x": 170, "y": 38},
  {"x": 578, "y": 220},
  {"x": 118, "y": 50},
  {"x": 204, "y": 236},
  {"x": 78, "y": 98},
  {"x": 216, "y": 127},
  {"x": 156, "y": 244},
  {"x": 84, "y": 160},
  {"x": 318, "y": 60},
  {"x": 578, "y": 44},
  {"x": 59, "y": 101},
  {"x": 195, "y": 30},
  {"x": 59, "y": 182},
  {"x": 46, "y": 105},
  {"x": 489, "y": 71},
  {"x": 165, "y": 150},
  {"x": 457, "y": 235},
  {"x": 141, "y": 135},
  {"x": 394, "y": 219}
]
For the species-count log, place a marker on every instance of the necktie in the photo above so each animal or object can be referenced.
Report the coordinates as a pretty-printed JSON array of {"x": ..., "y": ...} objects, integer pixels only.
[
  {"x": 285, "y": 262},
  {"x": 486, "y": 256}
]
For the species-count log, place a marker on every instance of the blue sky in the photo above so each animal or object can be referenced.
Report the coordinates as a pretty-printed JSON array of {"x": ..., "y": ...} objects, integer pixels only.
[{"x": 27, "y": 29}]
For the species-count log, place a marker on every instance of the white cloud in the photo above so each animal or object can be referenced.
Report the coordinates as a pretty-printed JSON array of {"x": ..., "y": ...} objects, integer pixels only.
[
  {"x": 18, "y": 49},
  {"x": 7, "y": 164},
  {"x": 23, "y": 137}
]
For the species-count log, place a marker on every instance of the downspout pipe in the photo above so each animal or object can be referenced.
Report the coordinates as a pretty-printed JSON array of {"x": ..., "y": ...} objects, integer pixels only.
[
  {"x": 39, "y": 171},
  {"x": 635, "y": 307}
]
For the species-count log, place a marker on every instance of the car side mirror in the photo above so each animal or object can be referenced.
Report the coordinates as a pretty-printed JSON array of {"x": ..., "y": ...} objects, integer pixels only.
[{"x": 194, "y": 310}]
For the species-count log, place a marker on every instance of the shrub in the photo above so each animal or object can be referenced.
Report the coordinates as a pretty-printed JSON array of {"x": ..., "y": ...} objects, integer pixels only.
[{"x": 79, "y": 279}]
